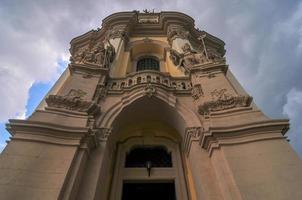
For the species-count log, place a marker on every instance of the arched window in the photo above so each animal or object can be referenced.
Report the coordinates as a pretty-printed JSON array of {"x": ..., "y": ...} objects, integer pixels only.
[{"x": 147, "y": 63}]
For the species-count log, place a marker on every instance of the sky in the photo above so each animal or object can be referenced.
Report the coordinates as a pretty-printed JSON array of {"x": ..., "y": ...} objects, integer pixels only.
[{"x": 263, "y": 42}]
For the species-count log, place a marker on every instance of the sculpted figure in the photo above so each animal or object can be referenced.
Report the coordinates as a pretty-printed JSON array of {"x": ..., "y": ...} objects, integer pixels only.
[
  {"x": 214, "y": 56},
  {"x": 99, "y": 54},
  {"x": 192, "y": 57},
  {"x": 79, "y": 57}
]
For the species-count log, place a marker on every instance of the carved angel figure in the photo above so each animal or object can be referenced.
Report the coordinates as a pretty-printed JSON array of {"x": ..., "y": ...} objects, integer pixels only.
[{"x": 192, "y": 57}]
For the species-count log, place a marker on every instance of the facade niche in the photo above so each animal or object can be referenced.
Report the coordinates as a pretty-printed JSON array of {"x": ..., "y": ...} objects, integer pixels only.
[{"x": 147, "y": 63}]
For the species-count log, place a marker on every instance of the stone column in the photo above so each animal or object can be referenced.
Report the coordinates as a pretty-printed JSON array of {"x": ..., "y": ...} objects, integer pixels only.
[
  {"x": 98, "y": 171},
  {"x": 118, "y": 37}
]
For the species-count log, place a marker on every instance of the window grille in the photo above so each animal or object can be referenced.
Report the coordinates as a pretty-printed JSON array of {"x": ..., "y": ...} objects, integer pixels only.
[{"x": 147, "y": 64}]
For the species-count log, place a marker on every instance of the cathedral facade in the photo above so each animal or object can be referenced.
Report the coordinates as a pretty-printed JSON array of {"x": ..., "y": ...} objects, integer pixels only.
[{"x": 148, "y": 109}]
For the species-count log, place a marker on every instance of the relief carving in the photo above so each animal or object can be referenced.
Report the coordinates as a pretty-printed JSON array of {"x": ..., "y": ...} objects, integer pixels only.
[
  {"x": 190, "y": 57},
  {"x": 148, "y": 19},
  {"x": 176, "y": 31},
  {"x": 75, "y": 94},
  {"x": 104, "y": 133},
  {"x": 116, "y": 32},
  {"x": 222, "y": 100},
  {"x": 98, "y": 55},
  {"x": 72, "y": 101},
  {"x": 197, "y": 91},
  {"x": 150, "y": 90}
]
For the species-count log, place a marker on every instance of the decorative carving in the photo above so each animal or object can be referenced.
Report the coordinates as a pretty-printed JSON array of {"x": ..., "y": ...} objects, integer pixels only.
[
  {"x": 189, "y": 58},
  {"x": 150, "y": 90},
  {"x": 191, "y": 134},
  {"x": 99, "y": 55},
  {"x": 75, "y": 94},
  {"x": 221, "y": 100},
  {"x": 104, "y": 133},
  {"x": 148, "y": 19},
  {"x": 101, "y": 92},
  {"x": 175, "y": 57},
  {"x": 192, "y": 57},
  {"x": 197, "y": 91},
  {"x": 116, "y": 32},
  {"x": 148, "y": 11},
  {"x": 176, "y": 31},
  {"x": 72, "y": 101},
  {"x": 131, "y": 81},
  {"x": 214, "y": 56}
]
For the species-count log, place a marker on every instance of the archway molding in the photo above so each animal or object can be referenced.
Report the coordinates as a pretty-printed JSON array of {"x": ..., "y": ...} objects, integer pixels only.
[{"x": 180, "y": 113}]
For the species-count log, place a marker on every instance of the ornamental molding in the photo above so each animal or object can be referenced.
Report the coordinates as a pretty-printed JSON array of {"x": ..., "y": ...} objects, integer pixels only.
[
  {"x": 73, "y": 101},
  {"x": 197, "y": 91},
  {"x": 100, "y": 55},
  {"x": 177, "y": 31},
  {"x": 191, "y": 58},
  {"x": 28, "y": 130},
  {"x": 191, "y": 134},
  {"x": 215, "y": 137},
  {"x": 119, "y": 31},
  {"x": 221, "y": 100},
  {"x": 103, "y": 134},
  {"x": 179, "y": 85},
  {"x": 150, "y": 90},
  {"x": 148, "y": 18}
]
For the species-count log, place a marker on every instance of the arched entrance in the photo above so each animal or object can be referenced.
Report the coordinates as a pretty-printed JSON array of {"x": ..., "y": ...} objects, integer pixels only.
[
  {"x": 148, "y": 159},
  {"x": 148, "y": 123}
]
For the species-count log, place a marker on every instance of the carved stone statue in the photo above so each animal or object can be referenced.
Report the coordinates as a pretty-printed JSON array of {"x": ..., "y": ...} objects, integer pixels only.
[
  {"x": 175, "y": 57},
  {"x": 214, "y": 56},
  {"x": 98, "y": 55},
  {"x": 176, "y": 31},
  {"x": 192, "y": 57},
  {"x": 78, "y": 57}
]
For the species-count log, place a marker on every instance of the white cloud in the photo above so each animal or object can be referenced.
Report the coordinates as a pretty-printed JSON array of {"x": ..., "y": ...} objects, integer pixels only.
[{"x": 293, "y": 109}]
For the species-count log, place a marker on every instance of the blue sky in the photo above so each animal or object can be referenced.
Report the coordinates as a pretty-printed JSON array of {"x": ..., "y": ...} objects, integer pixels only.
[
  {"x": 263, "y": 42},
  {"x": 36, "y": 95}
]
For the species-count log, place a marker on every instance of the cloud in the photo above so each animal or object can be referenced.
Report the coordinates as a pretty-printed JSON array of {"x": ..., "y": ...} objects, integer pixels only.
[
  {"x": 293, "y": 109},
  {"x": 263, "y": 41}
]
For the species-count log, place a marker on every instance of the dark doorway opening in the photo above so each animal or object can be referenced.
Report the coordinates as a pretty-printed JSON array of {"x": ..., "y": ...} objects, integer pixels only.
[{"x": 148, "y": 191}]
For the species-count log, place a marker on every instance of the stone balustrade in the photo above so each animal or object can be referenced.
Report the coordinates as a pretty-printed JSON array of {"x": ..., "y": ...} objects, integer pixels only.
[{"x": 163, "y": 80}]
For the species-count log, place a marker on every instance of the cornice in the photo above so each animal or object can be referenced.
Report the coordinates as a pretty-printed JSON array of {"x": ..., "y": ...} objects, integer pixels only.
[
  {"x": 87, "y": 69},
  {"x": 214, "y": 137},
  {"x": 41, "y": 132}
]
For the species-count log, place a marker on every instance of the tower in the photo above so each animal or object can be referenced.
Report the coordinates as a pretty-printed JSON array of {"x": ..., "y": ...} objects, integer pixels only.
[{"x": 148, "y": 109}]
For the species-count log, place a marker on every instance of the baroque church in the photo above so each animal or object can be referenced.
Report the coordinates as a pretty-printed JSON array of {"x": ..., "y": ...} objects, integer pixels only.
[{"x": 148, "y": 109}]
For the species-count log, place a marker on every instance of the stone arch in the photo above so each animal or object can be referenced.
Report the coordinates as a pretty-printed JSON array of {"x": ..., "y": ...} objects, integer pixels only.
[{"x": 179, "y": 115}]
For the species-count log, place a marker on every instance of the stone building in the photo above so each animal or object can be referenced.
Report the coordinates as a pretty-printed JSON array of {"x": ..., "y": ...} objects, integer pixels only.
[{"x": 148, "y": 109}]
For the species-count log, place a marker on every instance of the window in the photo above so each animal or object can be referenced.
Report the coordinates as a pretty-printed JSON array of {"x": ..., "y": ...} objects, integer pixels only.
[
  {"x": 157, "y": 155},
  {"x": 147, "y": 63}
]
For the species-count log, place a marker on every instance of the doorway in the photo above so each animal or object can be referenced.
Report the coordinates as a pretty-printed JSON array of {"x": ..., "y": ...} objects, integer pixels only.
[{"x": 148, "y": 191}]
